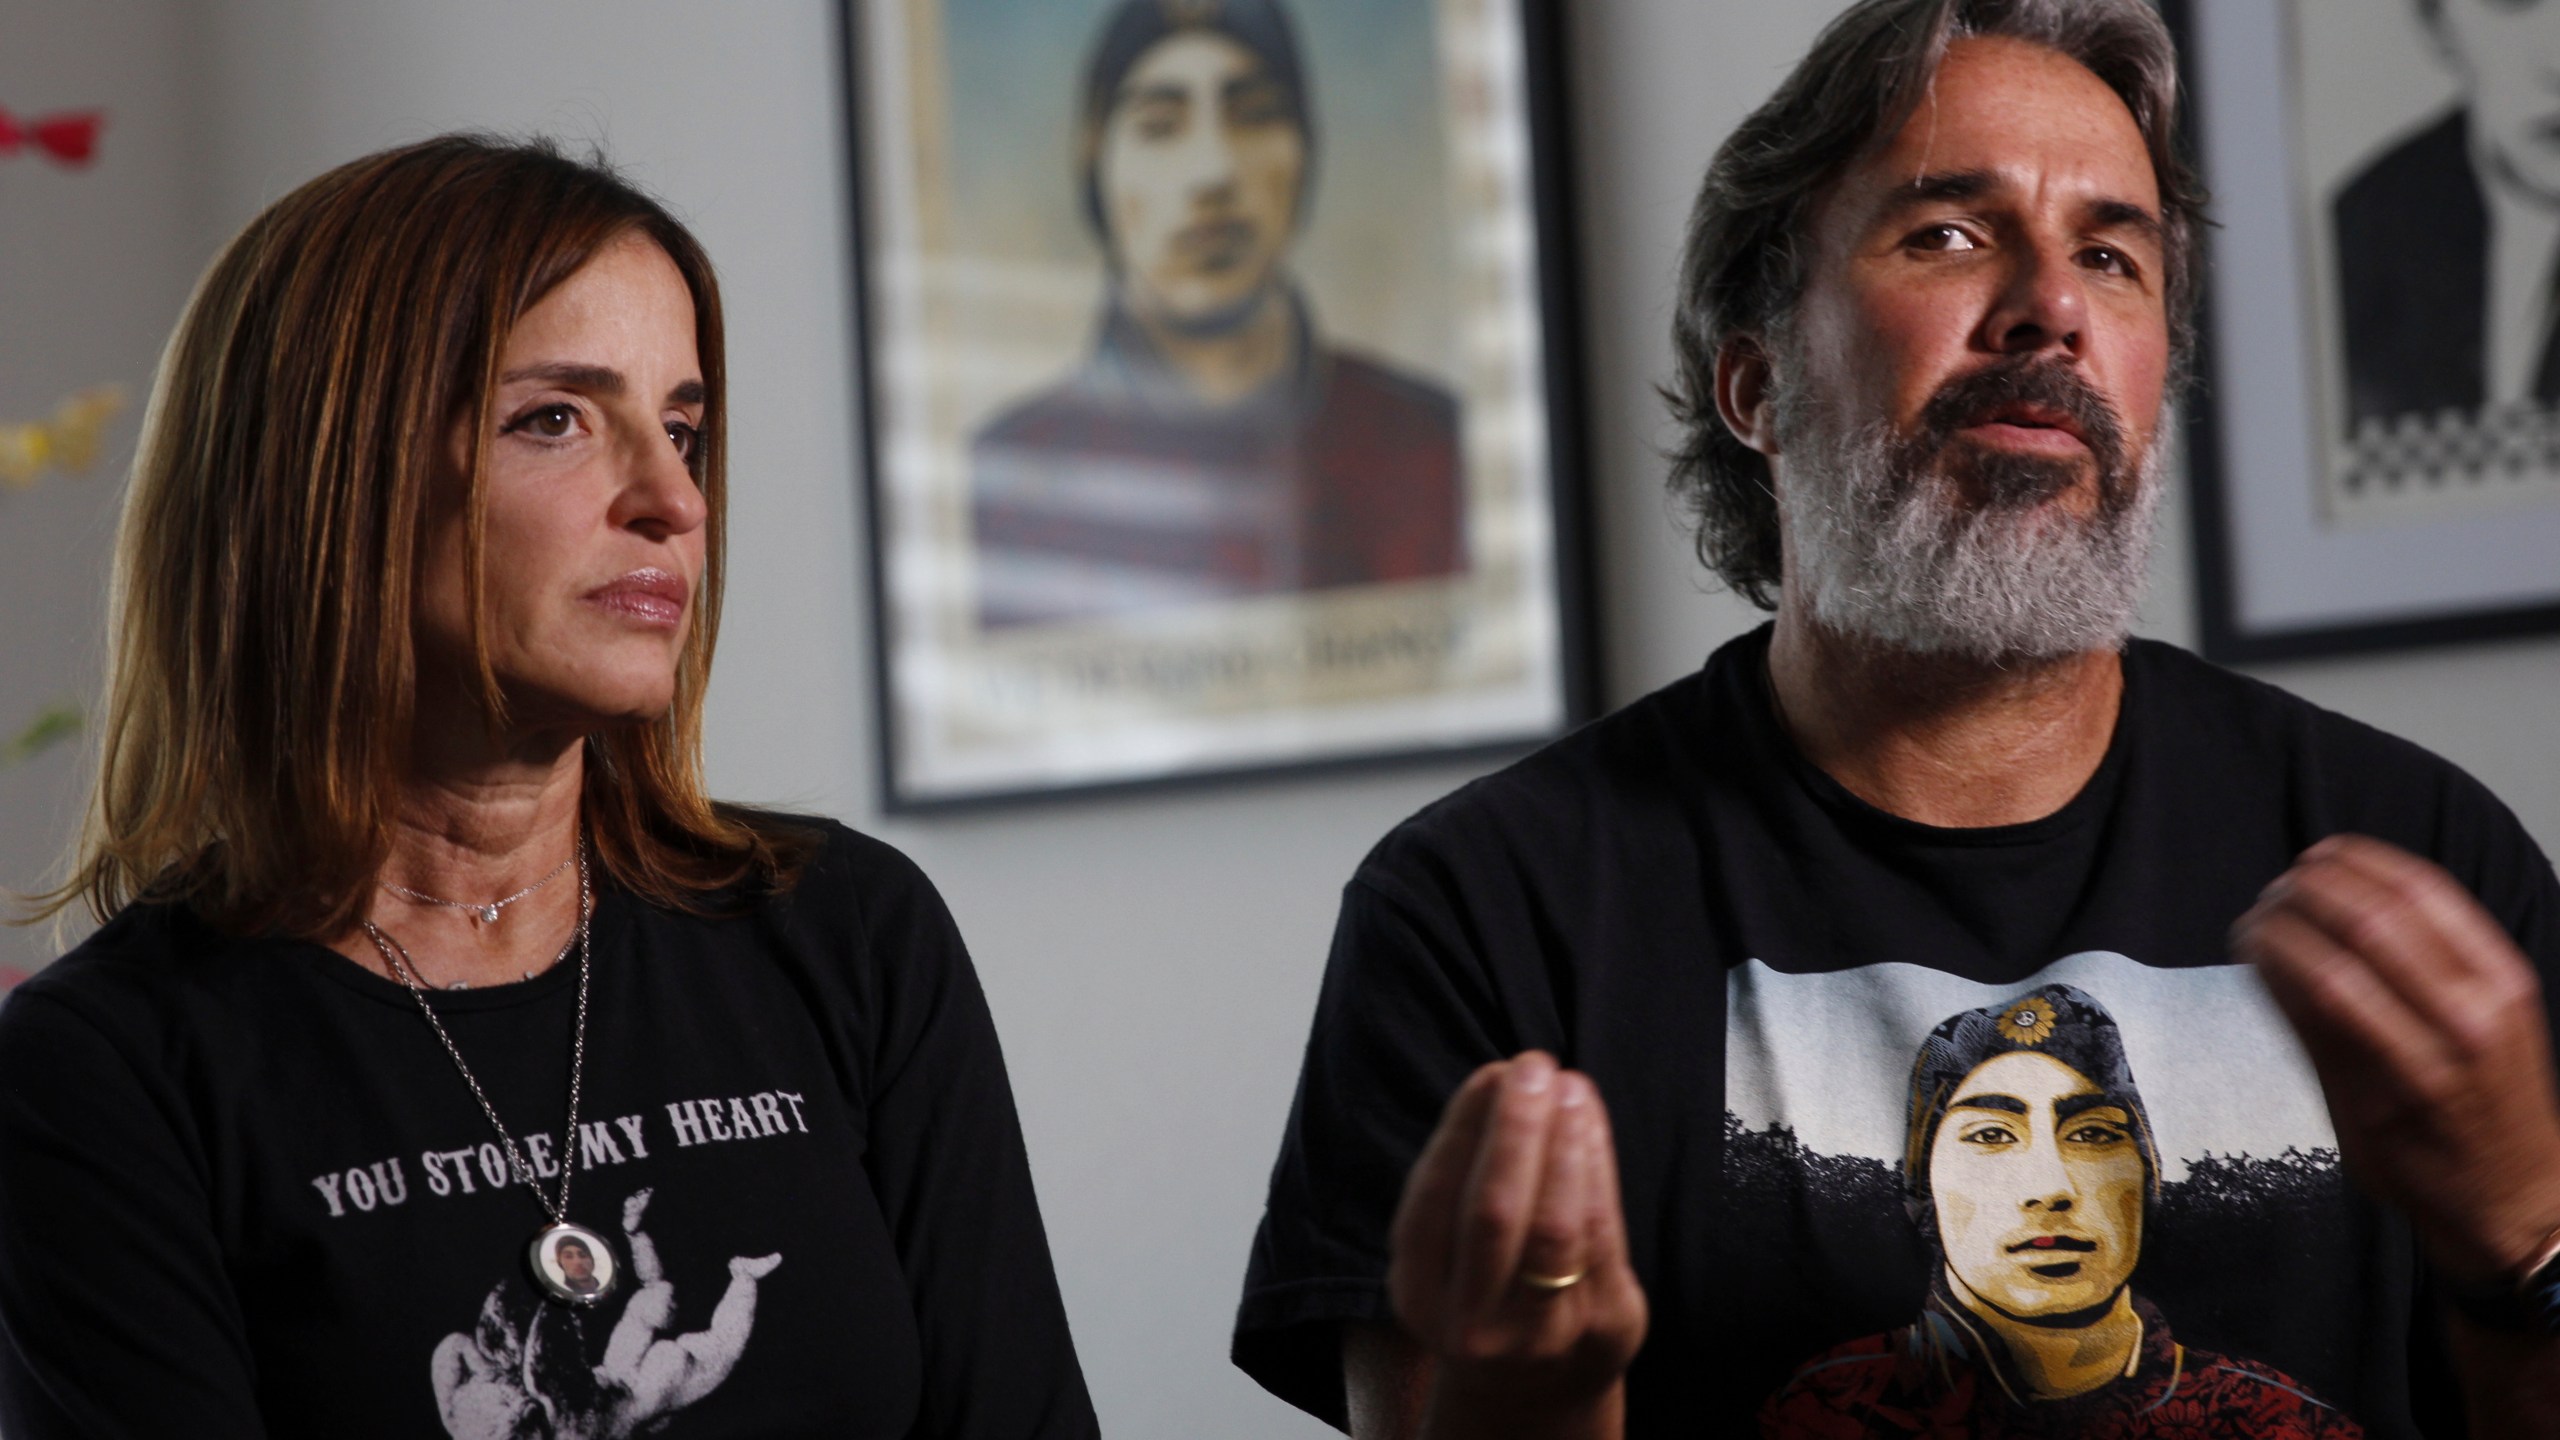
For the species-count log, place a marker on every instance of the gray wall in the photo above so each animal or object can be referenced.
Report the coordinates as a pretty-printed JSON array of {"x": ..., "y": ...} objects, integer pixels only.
[
  {"x": 94, "y": 264},
  {"x": 1152, "y": 960}
]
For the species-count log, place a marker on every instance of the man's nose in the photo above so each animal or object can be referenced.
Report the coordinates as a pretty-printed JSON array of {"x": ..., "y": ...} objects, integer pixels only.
[
  {"x": 1208, "y": 159},
  {"x": 2044, "y": 1183},
  {"x": 2043, "y": 306}
]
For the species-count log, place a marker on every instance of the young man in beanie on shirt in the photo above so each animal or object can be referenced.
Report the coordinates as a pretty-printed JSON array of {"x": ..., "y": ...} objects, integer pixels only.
[{"x": 1609, "y": 1124}]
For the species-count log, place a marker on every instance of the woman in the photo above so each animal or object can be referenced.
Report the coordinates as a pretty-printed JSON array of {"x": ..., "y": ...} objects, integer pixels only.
[{"x": 449, "y": 1065}]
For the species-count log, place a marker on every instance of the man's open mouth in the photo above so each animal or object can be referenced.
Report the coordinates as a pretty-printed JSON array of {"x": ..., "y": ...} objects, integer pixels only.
[{"x": 2031, "y": 416}]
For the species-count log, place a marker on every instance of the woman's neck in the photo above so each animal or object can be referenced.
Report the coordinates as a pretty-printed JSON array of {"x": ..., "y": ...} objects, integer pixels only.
[{"x": 480, "y": 821}]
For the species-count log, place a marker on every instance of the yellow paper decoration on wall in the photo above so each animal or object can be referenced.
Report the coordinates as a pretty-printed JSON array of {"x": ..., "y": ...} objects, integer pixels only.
[{"x": 69, "y": 442}]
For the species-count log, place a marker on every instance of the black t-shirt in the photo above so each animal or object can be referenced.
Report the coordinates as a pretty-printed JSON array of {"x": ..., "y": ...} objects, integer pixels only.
[
  {"x": 244, "y": 1191},
  {"x": 1750, "y": 962}
]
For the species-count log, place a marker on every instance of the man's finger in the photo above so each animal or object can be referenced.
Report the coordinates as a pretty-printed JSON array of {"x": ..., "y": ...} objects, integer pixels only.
[
  {"x": 2418, "y": 932},
  {"x": 1555, "y": 1248},
  {"x": 2453, "y": 920},
  {"x": 2363, "y": 1037},
  {"x": 1502, "y": 1188}
]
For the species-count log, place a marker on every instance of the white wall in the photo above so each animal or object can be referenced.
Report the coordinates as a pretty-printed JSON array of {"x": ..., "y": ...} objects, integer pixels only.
[
  {"x": 94, "y": 263},
  {"x": 1152, "y": 961}
]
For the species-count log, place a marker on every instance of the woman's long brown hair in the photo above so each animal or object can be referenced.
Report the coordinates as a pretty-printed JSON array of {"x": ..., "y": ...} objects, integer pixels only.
[{"x": 263, "y": 670}]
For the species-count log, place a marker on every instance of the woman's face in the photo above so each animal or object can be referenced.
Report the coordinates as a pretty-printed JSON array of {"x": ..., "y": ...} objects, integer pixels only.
[
  {"x": 2039, "y": 1186},
  {"x": 594, "y": 520}
]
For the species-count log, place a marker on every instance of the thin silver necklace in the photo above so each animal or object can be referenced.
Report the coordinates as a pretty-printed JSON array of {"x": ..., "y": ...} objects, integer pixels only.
[
  {"x": 486, "y": 914},
  {"x": 553, "y": 1272}
]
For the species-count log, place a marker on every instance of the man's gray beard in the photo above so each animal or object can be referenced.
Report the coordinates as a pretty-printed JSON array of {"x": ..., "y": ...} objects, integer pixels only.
[{"x": 1889, "y": 558}]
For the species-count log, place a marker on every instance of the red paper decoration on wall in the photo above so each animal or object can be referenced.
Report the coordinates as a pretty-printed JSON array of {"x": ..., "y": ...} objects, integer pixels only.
[{"x": 69, "y": 138}]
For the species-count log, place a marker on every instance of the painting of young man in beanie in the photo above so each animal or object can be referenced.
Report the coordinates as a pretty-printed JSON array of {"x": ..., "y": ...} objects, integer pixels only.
[
  {"x": 2031, "y": 1170},
  {"x": 1210, "y": 446}
]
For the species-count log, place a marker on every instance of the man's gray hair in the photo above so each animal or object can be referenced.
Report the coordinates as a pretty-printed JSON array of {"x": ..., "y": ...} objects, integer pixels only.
[{"x": 1743, "y": 265}]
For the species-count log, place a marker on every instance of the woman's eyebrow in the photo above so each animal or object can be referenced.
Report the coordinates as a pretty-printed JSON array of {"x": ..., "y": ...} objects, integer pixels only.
[
  {"x": 600, "y": 380},
  {"x": 597, "y": 379}
]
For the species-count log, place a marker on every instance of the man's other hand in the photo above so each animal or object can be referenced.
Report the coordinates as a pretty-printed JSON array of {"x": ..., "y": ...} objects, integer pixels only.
[{"x": 2427, "y": 1027}]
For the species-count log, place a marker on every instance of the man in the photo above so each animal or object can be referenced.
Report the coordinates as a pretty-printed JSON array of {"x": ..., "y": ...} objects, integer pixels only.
[
  {"x": 1210, "y": 448},
  {"x": 2031, "y": 1167},
  {"x": 577, "y": 1266},
  {"x": 2447, "y": 242},
  {"x": 1934, "y": 297}
]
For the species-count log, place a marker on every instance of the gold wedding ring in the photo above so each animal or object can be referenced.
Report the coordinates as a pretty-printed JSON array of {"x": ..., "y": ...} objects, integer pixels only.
[{"x": 1551, "y": 1283}]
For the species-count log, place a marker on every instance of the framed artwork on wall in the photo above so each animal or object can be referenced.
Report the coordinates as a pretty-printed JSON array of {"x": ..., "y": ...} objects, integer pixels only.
[
  {"x": 2375, "y": 438},
  {"x": 1218, "y": 385}
]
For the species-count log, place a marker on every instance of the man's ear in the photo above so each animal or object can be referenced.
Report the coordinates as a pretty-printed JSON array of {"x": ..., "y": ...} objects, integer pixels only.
[{"x": 1744, "y": 393}]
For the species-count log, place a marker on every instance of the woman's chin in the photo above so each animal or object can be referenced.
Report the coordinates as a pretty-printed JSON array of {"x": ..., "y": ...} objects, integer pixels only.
[{"x": 589, "y": 708}]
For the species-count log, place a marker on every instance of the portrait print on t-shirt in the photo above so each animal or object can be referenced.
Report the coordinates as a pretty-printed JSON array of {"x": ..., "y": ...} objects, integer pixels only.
[
  {"x": 523, "y": 1369},
  {"x": 2060, "y": 1193}
]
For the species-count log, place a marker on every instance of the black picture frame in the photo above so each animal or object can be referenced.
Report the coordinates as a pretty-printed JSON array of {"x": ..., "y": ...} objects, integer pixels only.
[
  {"x": 1567, "y": 680},
  {"x": 2268, "y": 439}
]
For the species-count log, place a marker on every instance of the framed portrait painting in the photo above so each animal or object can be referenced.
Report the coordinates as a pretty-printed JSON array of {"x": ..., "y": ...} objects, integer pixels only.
[
  {"x": 2376, "y": 438},
  {"x": 1217, "y": 386}
]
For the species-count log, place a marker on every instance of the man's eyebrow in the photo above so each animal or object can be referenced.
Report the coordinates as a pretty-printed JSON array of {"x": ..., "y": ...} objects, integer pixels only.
[
  {"x": 2005, "y": 1104},
  {"x": 1941, "y": 186},
  {"x": 2071, "y": 1105},
  {"x": 1954, "y": 185},
  {"x": 2126, "y": 215}
]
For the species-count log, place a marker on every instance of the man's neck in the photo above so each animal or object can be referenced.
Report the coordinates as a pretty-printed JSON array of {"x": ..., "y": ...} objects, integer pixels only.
[
  {"x": 2058, "y": 1364},
  {"x": 1223, "y": 366},
  {"x": 1944, "y": 740}
]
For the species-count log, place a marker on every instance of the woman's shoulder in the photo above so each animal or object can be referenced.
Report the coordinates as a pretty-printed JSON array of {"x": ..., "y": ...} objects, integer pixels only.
[
  {"x": 150, "y": 972},
  {"x": 840, "y": 888},
  {"x": 825, "y": 862}
]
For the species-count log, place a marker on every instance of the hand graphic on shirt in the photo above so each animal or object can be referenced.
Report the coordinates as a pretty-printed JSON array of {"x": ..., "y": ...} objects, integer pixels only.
[{"x": 502, "y": 1382}]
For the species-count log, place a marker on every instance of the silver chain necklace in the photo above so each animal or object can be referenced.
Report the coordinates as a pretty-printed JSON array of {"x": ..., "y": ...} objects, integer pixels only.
[
  {"x": 588, "y": 1275},
  {"x": 486, "y": 914}
]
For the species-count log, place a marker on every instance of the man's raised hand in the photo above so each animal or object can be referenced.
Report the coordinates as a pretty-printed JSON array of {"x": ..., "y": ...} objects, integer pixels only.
[
  {"x": 1510, "y": 1259},
  {"x": 2427, "y": 1027}
]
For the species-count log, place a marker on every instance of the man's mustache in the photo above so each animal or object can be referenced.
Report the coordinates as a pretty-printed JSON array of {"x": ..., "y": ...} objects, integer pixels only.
[{"x": 2027, "y": 380}]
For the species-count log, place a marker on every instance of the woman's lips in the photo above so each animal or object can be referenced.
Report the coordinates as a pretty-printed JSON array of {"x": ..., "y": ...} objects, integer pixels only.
[{"x": 650, "y": 596}]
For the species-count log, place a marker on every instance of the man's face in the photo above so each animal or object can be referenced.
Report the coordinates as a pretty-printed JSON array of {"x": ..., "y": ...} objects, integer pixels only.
[
  {"x": 1984, "y": 330},
  {"x": 1199, "y": 172},
  {"x": 575, "y": 1262},
  {"x": 2508, "y": 52},
  {"x": 2038, "y": 1185}
]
